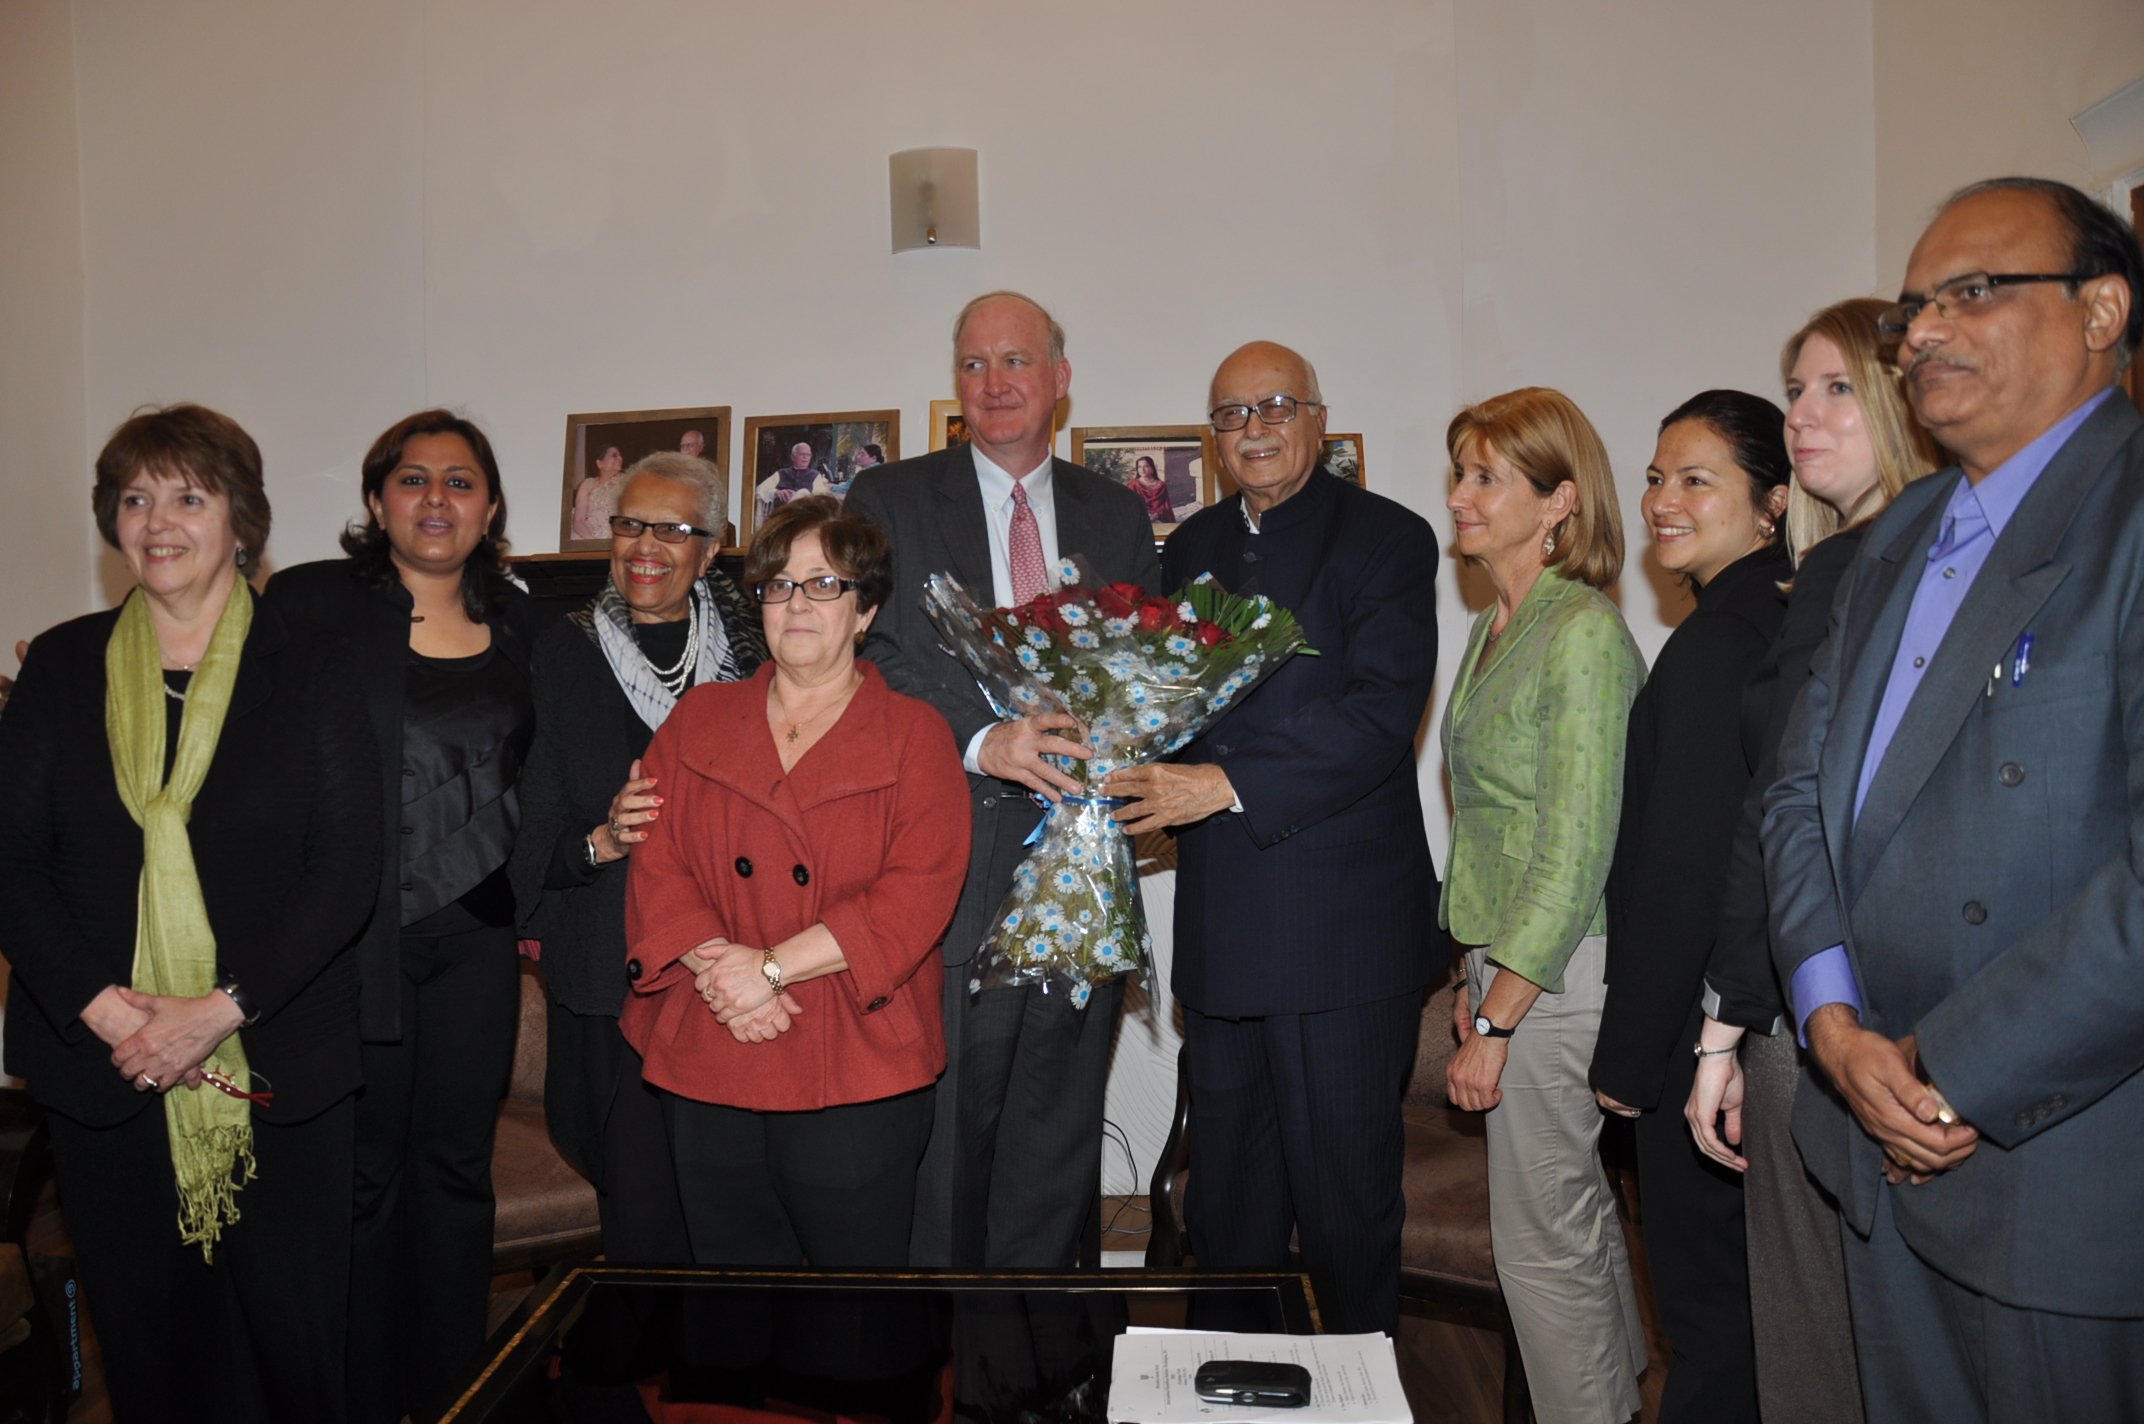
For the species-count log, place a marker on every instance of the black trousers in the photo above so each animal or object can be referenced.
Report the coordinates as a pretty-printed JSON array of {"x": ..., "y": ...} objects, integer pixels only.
[
  {"x": 611, "y": 1124},
  {"x": 833, "y": 1187},
  {"x": 1696, "y": 1243},
  {"x": 258, "y": 1335},
  {"x": 1295, "y": 1131},
  {"x": 420, "y": 1278},
  {"x": 1027, "y": 1073}
]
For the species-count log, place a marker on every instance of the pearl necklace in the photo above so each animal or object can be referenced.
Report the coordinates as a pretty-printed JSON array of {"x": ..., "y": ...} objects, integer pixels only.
[
  {"x": 678, "y": 676},
  {"x": 172, "y": 692}
]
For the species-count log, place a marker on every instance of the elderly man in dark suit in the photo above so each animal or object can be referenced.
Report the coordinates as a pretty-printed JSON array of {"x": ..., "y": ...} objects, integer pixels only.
[
  {"x": 1306, "y": 902},
  {"x": 1952, "y": 844},
  {"x": 1014, "y": 1163}
]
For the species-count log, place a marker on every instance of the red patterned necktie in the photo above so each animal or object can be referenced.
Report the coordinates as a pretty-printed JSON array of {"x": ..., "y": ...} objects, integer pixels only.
[{"x": 1023, "y": 550}]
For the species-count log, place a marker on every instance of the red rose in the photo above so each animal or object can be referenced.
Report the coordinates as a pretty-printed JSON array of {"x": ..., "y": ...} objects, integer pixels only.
[
  {"x": 1153, "y": 616},
  {"x": 1043, "y": 613},
  {"x": 1115, "y": 602},
  {"x": 1211, "y": 635}
]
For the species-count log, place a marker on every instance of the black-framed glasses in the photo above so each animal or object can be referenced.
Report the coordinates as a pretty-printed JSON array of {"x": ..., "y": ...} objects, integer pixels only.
[
  {"x": 823, "y": 589},
  {"x": 1273, "y": 410},
  {"x": 1969, "y": 295},
  {"x": 624, "y": 526}
]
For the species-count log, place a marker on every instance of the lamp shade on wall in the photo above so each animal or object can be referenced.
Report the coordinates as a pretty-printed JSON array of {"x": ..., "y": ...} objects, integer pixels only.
[{"x": 934, "y": 198}]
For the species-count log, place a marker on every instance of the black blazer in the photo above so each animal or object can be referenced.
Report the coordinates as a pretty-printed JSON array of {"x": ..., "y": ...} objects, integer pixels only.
[
  {"x": 1322, "y": 893},
  {"x": 373, "y": 625},
  {"x": 932, "y": 510},
  {"x": 1684, "y": 779},
  {"x": 285, "y": 843},
  {"x": 587, "y": 735},
  {"x": 1741, "y": 987}
]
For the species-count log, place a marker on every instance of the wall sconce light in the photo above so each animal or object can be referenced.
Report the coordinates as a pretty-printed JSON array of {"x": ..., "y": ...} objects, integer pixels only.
[
  {"x": 934, "y": 198},
  {"x": 2113, "y": 129}
]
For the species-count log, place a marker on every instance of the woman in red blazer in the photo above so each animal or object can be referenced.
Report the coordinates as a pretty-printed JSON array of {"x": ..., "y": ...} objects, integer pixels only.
[{"x": 783, "y": 928}]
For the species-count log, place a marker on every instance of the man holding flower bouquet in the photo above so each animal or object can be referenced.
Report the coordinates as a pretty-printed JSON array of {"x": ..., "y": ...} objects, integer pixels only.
[
  {"x": 1013, "y": 1168},
  {"x": 1306, "y": 900}
]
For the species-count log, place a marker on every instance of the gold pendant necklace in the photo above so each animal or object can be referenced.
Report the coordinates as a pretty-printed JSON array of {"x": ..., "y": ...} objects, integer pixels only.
[{"x": 796, "y": 727}]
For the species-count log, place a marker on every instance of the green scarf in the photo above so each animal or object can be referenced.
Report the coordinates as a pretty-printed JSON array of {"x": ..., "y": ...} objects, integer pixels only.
[{"x": 174, "y": 948}]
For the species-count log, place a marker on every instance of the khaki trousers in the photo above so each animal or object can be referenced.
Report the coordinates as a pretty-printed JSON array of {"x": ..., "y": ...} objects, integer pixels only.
[{"x": 1552, "y": 1219}]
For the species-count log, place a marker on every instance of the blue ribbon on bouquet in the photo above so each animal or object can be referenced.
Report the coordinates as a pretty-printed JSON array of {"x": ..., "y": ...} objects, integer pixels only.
[{"x": 1049, "y": 809}]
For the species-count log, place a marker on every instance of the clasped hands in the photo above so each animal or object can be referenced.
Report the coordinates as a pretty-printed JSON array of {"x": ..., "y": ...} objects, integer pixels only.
[
  {"x": 158, "y": 1041},
  {"x": 730, "y": 981},
  {"x": 1881, "y": 1081}
]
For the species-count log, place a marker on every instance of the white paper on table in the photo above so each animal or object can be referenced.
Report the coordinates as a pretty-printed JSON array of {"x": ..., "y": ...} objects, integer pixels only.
[{"x": 1354, "y": 1379}]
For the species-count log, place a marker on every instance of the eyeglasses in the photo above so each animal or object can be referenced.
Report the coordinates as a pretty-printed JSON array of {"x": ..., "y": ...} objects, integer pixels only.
[
  {"x": 1969, "y": 295},
  {"x": 823, "y": 589},
  {"x": 1273, "y": 410},
  {"x": 624, "y": 526}
]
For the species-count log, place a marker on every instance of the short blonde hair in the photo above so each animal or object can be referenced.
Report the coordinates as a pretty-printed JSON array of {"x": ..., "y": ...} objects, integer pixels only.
[
  {"x": 1548, "y": 439},
  {"x": 1904, "y": 449}
]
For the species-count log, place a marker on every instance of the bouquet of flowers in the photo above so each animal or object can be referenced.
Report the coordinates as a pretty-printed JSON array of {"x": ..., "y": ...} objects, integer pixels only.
[{"x": 1144, "y": 675}]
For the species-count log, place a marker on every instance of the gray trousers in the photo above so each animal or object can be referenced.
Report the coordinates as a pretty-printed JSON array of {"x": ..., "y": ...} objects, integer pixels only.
[
  {"x": 1797, "y": 1279},
  {"x": 1552, "y": 1219},
  {"x": 1933, "y": 1350}
]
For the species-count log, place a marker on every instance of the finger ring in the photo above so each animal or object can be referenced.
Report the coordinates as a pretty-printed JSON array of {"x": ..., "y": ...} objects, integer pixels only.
[
  {"x": 148, "y": 1081},
  {"x": 616, "y": 830}
]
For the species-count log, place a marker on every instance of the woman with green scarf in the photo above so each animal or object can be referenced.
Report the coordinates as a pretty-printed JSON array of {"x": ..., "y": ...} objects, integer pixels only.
[{"x": 187, "y": 848}]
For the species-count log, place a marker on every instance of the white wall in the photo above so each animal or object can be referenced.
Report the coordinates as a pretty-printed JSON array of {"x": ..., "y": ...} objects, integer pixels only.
[
  {"x": 1973, "y": 89},
  {"x": 47, "y": 533},
  {"x": 253, "y": 208},
  {"x": 46, "y": 538}
]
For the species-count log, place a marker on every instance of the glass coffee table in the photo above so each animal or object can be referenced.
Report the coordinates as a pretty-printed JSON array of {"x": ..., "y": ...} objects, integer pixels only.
[{"x": 828, "y": 1347}]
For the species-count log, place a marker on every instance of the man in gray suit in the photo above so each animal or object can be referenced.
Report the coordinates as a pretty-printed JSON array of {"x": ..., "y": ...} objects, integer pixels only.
[
  {"x": 1014, "y": 1162},
  {"x": 1955, "y": 845}
]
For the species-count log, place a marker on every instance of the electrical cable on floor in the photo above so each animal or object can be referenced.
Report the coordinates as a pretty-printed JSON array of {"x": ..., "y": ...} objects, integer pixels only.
[{"x": 1113, "y": 1133}]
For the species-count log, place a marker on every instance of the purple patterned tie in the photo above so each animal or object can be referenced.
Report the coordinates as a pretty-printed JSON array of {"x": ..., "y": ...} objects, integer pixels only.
[{"x": 1023, "y": 550}]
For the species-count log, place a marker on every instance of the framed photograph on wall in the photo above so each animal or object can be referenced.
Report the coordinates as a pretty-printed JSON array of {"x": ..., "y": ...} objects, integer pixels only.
[
  {"x": 948, "y": 426},
  {"x": 1343, "y": 456},
  {"x": 602, "y": 445},
  {"x": 788, "y": 455},
  {"x": 1168, "y": 466}
]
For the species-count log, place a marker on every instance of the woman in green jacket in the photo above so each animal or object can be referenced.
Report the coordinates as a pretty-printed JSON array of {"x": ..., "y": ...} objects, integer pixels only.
[{"x": 1533, "y": 740}]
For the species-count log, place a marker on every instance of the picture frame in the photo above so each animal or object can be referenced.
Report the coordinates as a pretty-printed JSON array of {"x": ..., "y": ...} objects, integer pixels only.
[
  {"x": 1180, "y": 457},
  {"x": 1343, "y": 456},
  {"x": 596, "y": 438},
  {"x": 841, "y": 443},
  {"x": 948, "y": 426}
]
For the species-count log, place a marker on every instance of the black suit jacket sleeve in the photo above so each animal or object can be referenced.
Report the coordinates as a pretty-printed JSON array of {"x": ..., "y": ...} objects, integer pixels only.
[
  {"x": 1743, "y": 988},
  {"x": 321, "y": 911},
  {"x": 1684, "y": 778},
  {"x": 901, "y": 641},
  {"x": 1332, "y": 750},
  {"x": 39, "y": 934}
]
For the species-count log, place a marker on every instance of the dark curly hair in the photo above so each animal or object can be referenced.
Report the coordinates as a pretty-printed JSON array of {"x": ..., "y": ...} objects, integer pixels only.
[
  {"x": 485, "y": 586},
  {"x": 853, "y": 545}
]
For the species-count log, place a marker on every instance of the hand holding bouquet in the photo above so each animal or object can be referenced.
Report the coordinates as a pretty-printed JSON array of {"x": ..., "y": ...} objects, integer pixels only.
[{"x": 1144, "y": 675}]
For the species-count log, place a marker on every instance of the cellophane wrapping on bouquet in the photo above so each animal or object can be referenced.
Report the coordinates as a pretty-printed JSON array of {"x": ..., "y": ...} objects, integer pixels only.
[{"x": 1144, "y": 674}]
